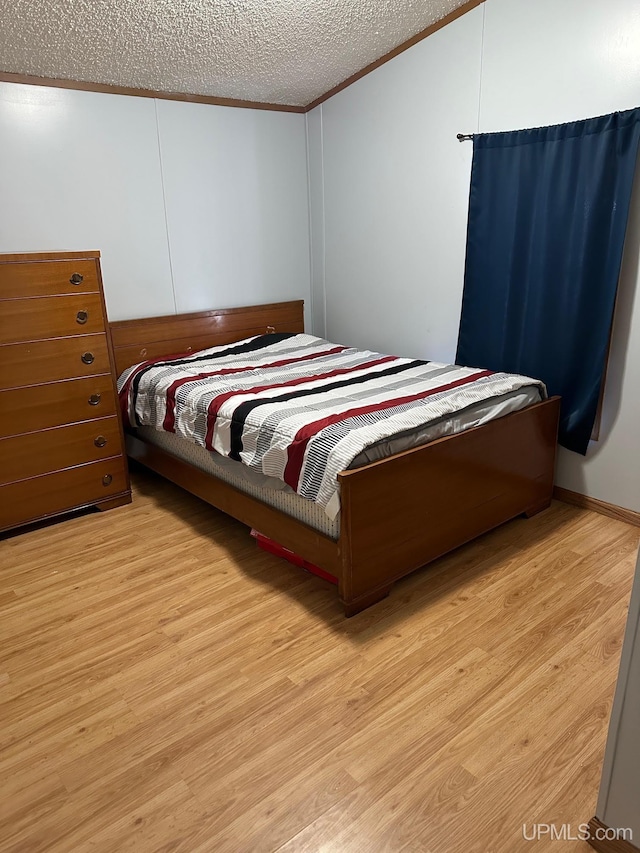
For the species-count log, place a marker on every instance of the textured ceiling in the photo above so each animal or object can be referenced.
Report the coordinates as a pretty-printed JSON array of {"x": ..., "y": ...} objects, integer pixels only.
[{"x": 278, "y": 51}]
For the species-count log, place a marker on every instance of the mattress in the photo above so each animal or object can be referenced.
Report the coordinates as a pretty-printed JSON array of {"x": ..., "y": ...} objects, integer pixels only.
[
  {"x": 277, "y": 494},
  {"x": 236, "y": 474}
]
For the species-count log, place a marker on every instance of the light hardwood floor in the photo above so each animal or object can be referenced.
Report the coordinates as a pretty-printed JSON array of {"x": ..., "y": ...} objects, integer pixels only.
[{"x": 166, "y": 686}]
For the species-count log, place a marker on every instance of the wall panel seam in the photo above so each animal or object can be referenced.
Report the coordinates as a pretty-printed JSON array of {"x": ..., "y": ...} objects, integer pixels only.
[
  {"x": 484, "y": 18},
  {"x": 166, "y": 213},
  {"x": 324, "y": 232},
  {"x": 312, "y": 310}
]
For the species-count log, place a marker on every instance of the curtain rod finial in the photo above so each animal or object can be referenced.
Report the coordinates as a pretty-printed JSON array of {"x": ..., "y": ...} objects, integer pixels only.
[{"x": 462, "y": 137}]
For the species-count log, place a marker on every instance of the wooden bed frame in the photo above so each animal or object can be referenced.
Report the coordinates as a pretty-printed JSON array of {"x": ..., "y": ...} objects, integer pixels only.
[{"x": 396, "y": 514}]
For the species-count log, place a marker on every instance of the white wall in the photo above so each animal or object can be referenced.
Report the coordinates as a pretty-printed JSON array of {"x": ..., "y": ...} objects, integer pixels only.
[
  {"x": 80, "y": 171},
  {"x": 395, "y": 185},
  {"x": 192, "y": 206},
  {"x": 235, "y": 184}
]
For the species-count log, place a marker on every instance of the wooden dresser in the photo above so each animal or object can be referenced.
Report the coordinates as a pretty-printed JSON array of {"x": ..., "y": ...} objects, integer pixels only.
[{"x": 61, "y": 441}]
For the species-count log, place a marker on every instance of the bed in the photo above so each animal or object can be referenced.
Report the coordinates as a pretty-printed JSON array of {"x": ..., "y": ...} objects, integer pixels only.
[{"x": 396, "y": 513}]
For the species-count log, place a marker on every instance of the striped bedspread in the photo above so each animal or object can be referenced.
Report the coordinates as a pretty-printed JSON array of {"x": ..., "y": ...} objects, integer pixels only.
[{"x": 297, "y": 407}]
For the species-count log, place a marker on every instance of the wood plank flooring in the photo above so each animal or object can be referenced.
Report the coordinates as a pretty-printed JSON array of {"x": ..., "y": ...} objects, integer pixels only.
[{"x": 166, "y": 686}]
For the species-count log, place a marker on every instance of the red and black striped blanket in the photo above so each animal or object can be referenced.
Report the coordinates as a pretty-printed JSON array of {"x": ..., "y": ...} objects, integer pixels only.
[{"x": 297, "y": 407}]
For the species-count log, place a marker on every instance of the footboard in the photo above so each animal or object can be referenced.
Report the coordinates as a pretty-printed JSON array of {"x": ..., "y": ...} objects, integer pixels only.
[{"x": 400, "y": 513}]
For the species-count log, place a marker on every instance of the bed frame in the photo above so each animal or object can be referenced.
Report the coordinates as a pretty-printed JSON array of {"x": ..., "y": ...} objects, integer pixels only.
[{"x": 396, "y": 514}]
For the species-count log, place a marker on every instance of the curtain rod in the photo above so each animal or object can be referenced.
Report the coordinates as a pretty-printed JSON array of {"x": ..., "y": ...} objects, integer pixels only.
[{"x": 462, "y": 137}]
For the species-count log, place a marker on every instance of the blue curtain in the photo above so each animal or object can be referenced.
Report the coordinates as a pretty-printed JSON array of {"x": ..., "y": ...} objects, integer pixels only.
[{"x": 548, "y": 212}]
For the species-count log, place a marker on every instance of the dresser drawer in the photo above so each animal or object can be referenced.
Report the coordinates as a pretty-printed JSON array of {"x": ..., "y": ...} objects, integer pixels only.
[
  {"x": 35, "y": 453},
  {"x": 49, "y": 361},
  {"x": 47, "y": 278},
  {"x": 30, "y": 500},
  {"x": 50, "y": 317},
  {"x": 55, "y": 404}
]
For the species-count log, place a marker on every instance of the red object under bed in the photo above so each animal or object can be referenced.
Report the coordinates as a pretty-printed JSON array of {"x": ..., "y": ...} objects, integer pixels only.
[{"x": 280, "y": 551}]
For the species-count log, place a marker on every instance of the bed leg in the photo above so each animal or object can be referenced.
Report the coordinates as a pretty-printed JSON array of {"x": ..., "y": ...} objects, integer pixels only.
[
  {"x": 536, "y": 508},
  {"x": 357, "y": 605}
]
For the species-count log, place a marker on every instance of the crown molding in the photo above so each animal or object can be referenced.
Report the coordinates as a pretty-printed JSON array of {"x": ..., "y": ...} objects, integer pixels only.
[{"x": 105, "y": 88}]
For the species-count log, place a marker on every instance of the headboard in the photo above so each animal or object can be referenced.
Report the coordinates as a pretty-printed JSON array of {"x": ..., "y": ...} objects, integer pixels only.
[{"x": 149, "y": 337}]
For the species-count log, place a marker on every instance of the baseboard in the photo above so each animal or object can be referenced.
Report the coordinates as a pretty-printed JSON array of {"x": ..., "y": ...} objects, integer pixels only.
[
  {"x": 585, "y": 502},
  {"x": 603, "y": 845}
]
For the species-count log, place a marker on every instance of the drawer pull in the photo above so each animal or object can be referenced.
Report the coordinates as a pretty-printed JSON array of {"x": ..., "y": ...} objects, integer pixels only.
[
  {"x": 107, "y": 480},
  {"x": 100, "y": 441},
  {"x": 76, "y": 278},
  {"x": 94, "y": 399},
  {"x": 88, "y": 357},
  {"x": 82, "y": 317}
]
